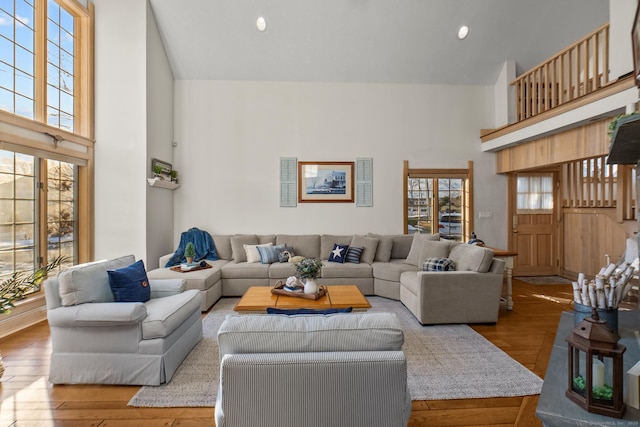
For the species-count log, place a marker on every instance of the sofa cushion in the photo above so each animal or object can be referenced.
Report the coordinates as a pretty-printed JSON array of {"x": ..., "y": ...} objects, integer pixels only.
[
  {"x": 259, "y": 333},
  {"x": 130, "y": 284},
  {"x": 471, "y": 258},
  {"x": 244, "y": 270},
  {"x": 339, "y": 253},
  {"x": 89, "y": 282},
  {"x": 354, "y": 254},
  {"x": 195, "y": 279},
  {"x": 327, "y": 242},
  {"x": 369, "y": 246},
  {"x": 237, "y": 246},
  {"x": 306, "y": 245},
  {"x": 282, "y": 270},
  {"x": 223, "y": 246},
  {"x": 346, "y": 270},
  {"x": 413, "y": 257},
  {"x": 251, "y": 251},
  {"x": 401, "y": 246},
  {"x": 383, "y": 249},
  {"x": 438, "y": 264},
  {"x": 410, "y": 280},
  {"x": 165, "y": 314},
  {"x": 391, "y": 270},
  {"x": 433, "y": 249}
]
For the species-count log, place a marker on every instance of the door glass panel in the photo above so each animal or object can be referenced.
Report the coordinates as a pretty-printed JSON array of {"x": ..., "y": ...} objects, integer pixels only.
[
  {"x": 450, "y": 210},
  {"x": 419, "y": 205}
]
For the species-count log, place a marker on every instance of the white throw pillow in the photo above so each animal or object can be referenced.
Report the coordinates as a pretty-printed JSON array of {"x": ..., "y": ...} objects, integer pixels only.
[{"x": 252, "y": 252}]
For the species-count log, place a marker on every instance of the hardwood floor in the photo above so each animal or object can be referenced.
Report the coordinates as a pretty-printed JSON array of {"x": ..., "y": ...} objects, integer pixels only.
[{"x": 27, "y": 399}]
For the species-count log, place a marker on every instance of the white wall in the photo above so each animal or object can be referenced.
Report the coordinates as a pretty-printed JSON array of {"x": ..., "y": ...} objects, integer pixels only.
[
  {"x": 159, "y": 222},
  {"x": 621, "y": 14},
  {"x": 232, "y": 134},
  {"x": 505, "y": 96},
  {"x": 120, "y": 149}
]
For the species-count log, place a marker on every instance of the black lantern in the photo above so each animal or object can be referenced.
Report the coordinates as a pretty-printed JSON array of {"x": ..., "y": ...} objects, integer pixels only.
[{"x": 595, "y": 367}]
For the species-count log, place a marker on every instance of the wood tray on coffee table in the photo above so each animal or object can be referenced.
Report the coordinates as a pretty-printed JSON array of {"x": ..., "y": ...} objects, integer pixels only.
[{"x": 259, "y": 298}]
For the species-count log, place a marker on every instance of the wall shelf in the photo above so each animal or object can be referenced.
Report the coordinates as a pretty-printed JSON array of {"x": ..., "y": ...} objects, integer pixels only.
[{"x": 157, "y": 182}]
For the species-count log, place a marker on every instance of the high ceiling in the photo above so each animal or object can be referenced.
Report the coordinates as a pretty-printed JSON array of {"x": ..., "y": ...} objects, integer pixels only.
[{"x": 368, "y": 41}]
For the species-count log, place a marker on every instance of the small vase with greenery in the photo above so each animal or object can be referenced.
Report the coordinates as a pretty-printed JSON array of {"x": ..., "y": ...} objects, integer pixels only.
[
  {"x": 157, "y": 171},
  {"x": 309, "y": 269},
  {"x": 189, "y": 252}
]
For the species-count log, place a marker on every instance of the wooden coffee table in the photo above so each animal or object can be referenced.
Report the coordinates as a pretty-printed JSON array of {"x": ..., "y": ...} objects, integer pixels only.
[{"x": 259, "y": 298}]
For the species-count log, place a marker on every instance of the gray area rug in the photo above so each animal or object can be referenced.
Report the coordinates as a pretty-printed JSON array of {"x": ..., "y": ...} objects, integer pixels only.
[
  {"x": 443, "y": 362},
  {"x": 544, "y": 280}
]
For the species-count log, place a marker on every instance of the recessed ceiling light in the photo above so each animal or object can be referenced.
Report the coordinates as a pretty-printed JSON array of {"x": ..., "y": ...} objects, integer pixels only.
[
  {"x": 261, "y": 23},
  {"x": 463, "y": 32}
]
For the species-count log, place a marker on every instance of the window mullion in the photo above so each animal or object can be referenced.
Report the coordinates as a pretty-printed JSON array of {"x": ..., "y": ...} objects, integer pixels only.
[
  {"x": 40, "y": 66},
  {"x": 41, "y": 206}
]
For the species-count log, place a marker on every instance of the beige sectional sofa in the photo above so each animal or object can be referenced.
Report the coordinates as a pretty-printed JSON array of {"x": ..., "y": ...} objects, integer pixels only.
[{"x": 390, "y": 266}]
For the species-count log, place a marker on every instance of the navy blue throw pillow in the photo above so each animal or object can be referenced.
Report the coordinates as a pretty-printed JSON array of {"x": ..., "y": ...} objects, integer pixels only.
[
  {"x": 293, "y": 312},
  {"x": 130, "y": 284},
  {"x": 339, "y": 253},
  {"x": 354, "y": 254}
]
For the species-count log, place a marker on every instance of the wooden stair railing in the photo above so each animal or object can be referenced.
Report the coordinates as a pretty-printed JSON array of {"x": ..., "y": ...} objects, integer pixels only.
[{"x": 578, "y": 70}]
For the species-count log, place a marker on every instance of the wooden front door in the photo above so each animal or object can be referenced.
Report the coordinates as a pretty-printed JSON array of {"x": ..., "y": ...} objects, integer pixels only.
[{"x": 534, "y": 232}]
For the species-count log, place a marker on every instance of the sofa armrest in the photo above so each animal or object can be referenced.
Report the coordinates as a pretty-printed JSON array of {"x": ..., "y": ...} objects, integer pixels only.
[
  {"x": 51, "y": 293},
  {"x": 264, "y": 389},
  {"x": 166, "y": 287},
  {"x": 98, "y": 314},
  {"x": 164, "y": 259},
  {"x": 458, "y": 297}
]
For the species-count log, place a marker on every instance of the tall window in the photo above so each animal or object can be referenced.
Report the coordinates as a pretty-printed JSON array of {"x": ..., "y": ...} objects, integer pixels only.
[
  {"x": 61, "y": 209},
  {"x": 46, "y": 110},
  {"x": 21, "y": 204},
  {"x": 438, "y": 201},
  {"x": 17, "y": 212},
  {"x": 535, "y": 194},
  {"x": 44, "y": 65},
  {"x": 60, "y": 69},
  {"x": 17, "y": 53}
]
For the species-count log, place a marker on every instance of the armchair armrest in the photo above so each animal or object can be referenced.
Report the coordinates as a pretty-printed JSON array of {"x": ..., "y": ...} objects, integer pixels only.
[
  {"x": 166, "y": 287},
  {"x": 98, "y": 314}
]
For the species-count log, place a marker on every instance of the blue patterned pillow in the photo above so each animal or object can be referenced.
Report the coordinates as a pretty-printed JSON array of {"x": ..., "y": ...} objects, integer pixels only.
[
  {"x": 438, "y": 264},
  {"x": 354, "y": 254},
  {"x": 270, "y": 254},
  {"x": 339, "y": 253},
  {"x": 130, "y": 284}
]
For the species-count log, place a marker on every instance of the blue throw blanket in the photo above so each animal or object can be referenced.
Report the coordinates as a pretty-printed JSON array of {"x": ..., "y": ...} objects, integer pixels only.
[{"x": 203, "y": 242}]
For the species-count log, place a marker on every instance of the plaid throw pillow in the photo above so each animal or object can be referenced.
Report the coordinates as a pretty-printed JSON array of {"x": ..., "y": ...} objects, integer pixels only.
[{"x": 438, "y": 264}]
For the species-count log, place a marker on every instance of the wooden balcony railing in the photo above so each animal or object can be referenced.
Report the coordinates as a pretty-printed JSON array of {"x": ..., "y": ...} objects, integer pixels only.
[
  {"x": 592, "y": 183},
  {"x": 578, "y": 70}
]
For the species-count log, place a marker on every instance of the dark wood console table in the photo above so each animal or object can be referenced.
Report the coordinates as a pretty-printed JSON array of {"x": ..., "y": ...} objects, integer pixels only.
[{"x": 554, "y": 409}]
